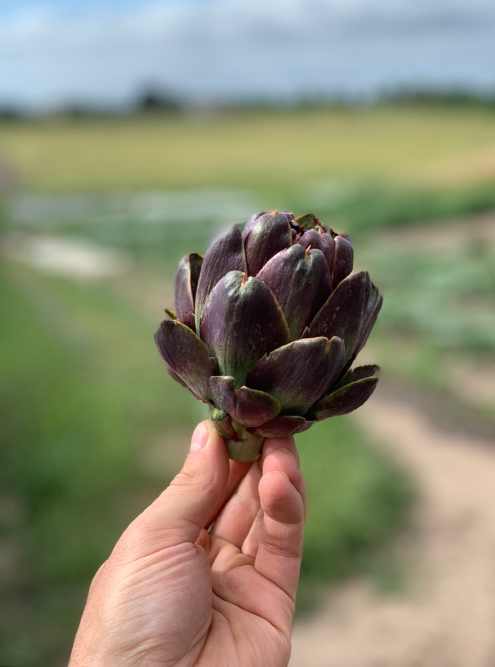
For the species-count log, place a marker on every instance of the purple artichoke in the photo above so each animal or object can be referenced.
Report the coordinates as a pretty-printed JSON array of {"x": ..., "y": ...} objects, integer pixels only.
[{"x": 268, "y": 325}]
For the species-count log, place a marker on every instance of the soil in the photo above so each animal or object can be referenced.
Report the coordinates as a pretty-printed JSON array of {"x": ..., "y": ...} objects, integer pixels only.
[
  {"x": 473, "y": 381},
  {"x": 445, "y": 614}
]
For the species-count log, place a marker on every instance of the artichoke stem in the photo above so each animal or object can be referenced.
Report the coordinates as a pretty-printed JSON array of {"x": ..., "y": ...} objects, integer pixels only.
[{"x": 248, "y": 449}]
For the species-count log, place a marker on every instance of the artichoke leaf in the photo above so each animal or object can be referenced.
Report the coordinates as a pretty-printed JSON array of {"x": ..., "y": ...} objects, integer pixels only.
[
  {"x": 223, "y": 423},
  {"x": 300, "y": 281},
  {"x": 186, "y": 282},
  {"x": 241, "y": 321},
  {"x": 344, "y": 258},
  {"x": 245, "y": 406},
  {"x": 280, "y": 427},
  {"x": 264, "y": 237},
  {"x": 225, "y": 254},
  {"x": 373, "y": 307},
  {"x": 186, "y": 356},
  {"x": 346, "y": 399},
  {"x": 319, "y": 241},
  {"x": 299, "y": 373},
  {"x": 358, "y": 373},
  {"x": 306, "y": 221},
  {"x": 343, "y": 312}
]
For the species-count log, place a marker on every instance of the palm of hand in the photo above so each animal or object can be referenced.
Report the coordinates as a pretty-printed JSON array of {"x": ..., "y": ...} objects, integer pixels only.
[{"x": 225, "y": 599}]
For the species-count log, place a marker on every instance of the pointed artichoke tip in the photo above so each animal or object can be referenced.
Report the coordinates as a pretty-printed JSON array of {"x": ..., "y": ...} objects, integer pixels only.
[
  {"x": 359, "y": 275},
  {"x": 332, "y": 340}
]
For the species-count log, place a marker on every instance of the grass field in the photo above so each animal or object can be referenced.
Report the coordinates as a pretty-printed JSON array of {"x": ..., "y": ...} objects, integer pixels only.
[{"x": 268, "y": 151}]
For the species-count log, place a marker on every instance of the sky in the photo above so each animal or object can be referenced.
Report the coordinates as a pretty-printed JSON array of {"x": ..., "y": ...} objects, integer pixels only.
[{"x": 107, "y": 51}]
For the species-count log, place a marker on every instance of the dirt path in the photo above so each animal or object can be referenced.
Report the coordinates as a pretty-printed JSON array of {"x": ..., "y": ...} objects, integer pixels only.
[{"x": 445, "y": 617}]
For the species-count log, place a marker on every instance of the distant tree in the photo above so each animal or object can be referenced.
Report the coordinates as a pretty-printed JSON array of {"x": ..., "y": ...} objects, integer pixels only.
[
  {"x": 157, "y": 100},
  {"x": 432, "y": 96},
  {"x": 10, "y": 113}
]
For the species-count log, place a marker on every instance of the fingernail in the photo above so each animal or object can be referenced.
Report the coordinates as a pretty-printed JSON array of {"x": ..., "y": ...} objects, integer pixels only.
[
  {"x": 282, "y": 449},
  {"x": 199, "y": 437}
]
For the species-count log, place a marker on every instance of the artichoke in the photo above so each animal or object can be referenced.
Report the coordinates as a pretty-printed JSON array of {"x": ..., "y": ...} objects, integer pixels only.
[{"x": 267, "y": 326}]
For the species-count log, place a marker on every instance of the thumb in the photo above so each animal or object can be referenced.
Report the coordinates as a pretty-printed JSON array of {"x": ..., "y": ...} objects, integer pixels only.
[{"x": 179, "y": 514}]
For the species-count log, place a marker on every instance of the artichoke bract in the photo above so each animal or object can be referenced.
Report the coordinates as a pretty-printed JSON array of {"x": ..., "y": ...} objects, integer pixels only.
[{"x": 266, "y": 327}]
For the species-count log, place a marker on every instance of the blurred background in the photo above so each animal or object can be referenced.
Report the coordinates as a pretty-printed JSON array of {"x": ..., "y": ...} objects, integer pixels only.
[{"x": 130, "y": 133}]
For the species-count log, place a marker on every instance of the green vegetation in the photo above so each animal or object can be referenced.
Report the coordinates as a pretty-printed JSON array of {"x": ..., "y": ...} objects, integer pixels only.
[
  {"x": 439, "y": 310},
  {"x": 450, "y": 295},
  {"x": 361, "y": 169},
  {"x": 368, "y": 208},
  {"x": 271, "y": 152},
  {"x": 75, "y": 406},
  {"x": 92, "y": 426},
  {"x": 357, "y": 499}
]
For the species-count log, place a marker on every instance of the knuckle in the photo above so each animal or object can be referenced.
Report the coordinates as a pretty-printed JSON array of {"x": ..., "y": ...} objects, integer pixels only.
[
  {"x": 292, "y": 551},
  {"x": 185, "y": 477},
  {"x": 204, "y": 481}
]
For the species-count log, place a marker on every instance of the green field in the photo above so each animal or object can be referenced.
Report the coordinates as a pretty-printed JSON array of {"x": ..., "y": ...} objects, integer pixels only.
[
  {"x": 92, "y": 426},
  {"x": 269, "y": 151}
]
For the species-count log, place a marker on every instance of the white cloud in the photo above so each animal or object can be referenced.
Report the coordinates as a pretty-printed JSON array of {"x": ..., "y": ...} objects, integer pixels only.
[{"x": 227, "y": 47}]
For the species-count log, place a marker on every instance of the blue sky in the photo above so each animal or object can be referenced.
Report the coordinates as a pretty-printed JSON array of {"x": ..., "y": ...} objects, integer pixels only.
[
  {"x": 71, "y": 6},
  {"x": 107, "y": 50}
]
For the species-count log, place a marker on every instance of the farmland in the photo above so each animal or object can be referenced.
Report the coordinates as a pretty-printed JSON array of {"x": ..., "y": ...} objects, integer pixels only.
[{"x": 93, "y": 428}]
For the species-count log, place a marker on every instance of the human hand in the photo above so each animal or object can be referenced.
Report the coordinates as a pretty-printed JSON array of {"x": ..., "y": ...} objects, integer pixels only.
[{"x": 172, "y": 594}]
